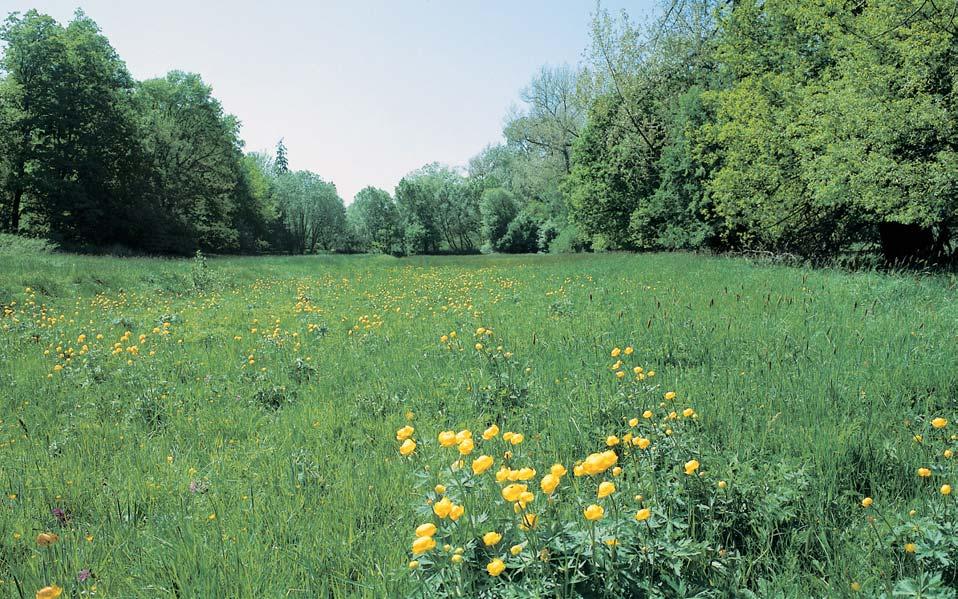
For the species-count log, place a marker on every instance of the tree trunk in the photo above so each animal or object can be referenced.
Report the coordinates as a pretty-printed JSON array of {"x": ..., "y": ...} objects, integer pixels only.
[{"x": 15, "y": 211}]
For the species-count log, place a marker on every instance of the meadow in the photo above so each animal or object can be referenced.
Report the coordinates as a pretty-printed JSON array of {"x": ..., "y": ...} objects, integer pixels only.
[{"x": 237, "y": 427}]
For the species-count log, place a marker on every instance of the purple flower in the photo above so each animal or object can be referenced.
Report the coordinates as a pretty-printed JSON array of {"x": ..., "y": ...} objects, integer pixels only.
[
  {"x": 83, "y": 575},
  {"x": 60, "y": 515}
]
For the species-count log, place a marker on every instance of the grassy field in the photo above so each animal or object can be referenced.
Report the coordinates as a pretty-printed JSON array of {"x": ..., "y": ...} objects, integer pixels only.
[{"x": 230, "y": 430}]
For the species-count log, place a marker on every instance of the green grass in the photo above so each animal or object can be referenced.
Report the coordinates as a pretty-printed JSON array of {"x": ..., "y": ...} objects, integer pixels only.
[{"x": 818, "y": 371}]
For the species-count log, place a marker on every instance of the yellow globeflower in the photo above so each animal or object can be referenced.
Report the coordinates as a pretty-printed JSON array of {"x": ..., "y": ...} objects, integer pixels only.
[
  {"x": 491, "y": 538},
  {"x": 558, "y": 470},
  {"x": 910, "y": 547},
  {"x": 939, "y": 422},
  {"x": 456, "y": 512},
  {"x": 856, "y": 586},
  {"x": 503, "y": 474},
  {"x": 50, "y": 592},
  {"x": 447, "y": 438},
  {"x": 593, "y": 512},
  {"x": 669, "y": 396},
  {"x": 616, "y": 352},
  {"x": 641, "y": 442},
  {"x": 408, "y": 446},
  {"x": 45, "y": 539},
  {"x": 605, "y": 489},
  {"x": 517, "y": 438},
  {"x": 490, "y": 432},
  {"x": 549, "y": 483},
  {"x": 466, "y": 446},
  {"x": 481, "y": 464},
  {"x": 442, "y": 507},
  {"x": 423, "y": 544},
  {"x": 526, "y": 474},
  {"x": 413, "y": 564},
  {"x": 643, "y": 514},
  {"x": 404, "y": 433},
  {"x": 867, "y": 502},
  {"x": 611, "y": 440},
  {"x": 688, "y": 412},
  {"x": 691, "y": 466},
  {"x": 515, "y": 549},
  {"x": 945, "y": 489},
  {"x": 440, "y": 489},
  {"x": 647, "y": 414},
  {"x": 426, "y": 530},
  {"x": 528, "y": 521},
  {"x": 456, "y": 559},
  {"x": 924, "y": 472},
  {"x": 495, "y": 567},
  {"x": 628, "y": 351},
  {"x": 633, "y": 422},
  {"x": 512, "y": 492}
]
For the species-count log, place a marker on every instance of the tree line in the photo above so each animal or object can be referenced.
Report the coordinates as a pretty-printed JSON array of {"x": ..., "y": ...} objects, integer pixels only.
[{"x": 821, "y": 128}]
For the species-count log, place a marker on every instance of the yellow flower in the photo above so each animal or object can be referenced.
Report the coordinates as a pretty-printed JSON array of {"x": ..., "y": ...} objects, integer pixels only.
[
  {"x": 939, "y": 422},
  {"x": 442, "y": 507},
  {"x": 647, "y": 414},
  {"x": 491, "y": 538},
  {"x": 549, "y": 483},
  {"x": 426, "y": 530},
  {"x": 910, "y": 547},
  {"x": 615, "y": 352},
  {"x": 423, "y": 544},
  {"x": 612, "y": 542},
  {"x": 512, "y": 492},
  {"x": 643, "y": 514},
  {"x": 525, "y": 474},
  {"x": 481, "y": 464},
  {"x": 408, "y": 446},
  {"x": 670, "y": 395},
  {"x": 447, "y": 438},
  {"x": 593, "y": 512},
  {"x": 867, "y": 502},
  {"x": 490, "y": 432},
  {"x": 413, "y": 565},
  {"x": 478, "y": 347},
  {"x": 691, "y": 466},
  {"x": 722, "y": 484},
  {"x": 50, "y": 592},
  {"x": 924, "y": 472},
  {"x": 456, "y": 559},
  {"x": 629, "y": 350},
  {"x": 641, "y": 442},
  {"x": 440, "y": 489},
  {"x": 456, "y": 512},
  {"x": 634, "y": 422},
  {"x": 611, "y": 440},
  {"x": 605, "y": 489},
  {"x": 404, "y": 433},
  {"x": 507, "y": 436},
  {"x": 856, "y": 586},
  {"x": 619, "y": 375},
  {"x": 945, "y": 489},
  {"x": 948, "y": 453},
  {"x": 558, "y": 470},
  {"x": 688, "y": 412},
  {"x": 616, "y": 471},
  {"x": 495, "y": 567},
  {"x": 528, "y": 521},
  {"x": 466, "y": 447},
  {"x": 503, "y": 474},
  {"x": 45, "y": 539},
  {"x": 517, "y": 438},
  {"x": 597, "y": 463},
  {"x": 515, "y": 549}
]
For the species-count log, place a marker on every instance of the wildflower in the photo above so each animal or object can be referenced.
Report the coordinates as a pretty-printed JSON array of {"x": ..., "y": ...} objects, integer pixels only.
[
  {"x": 426, "y": 530},
  {"x": 549, "y": 483},
  {"x": 918, "y": 438},
  {"x": 440, "y": 489},
  {"x": 611, "y": 440},
  {"x": 528, "y": 521},
  {"x": 517, "y": 438},
  {"x": 593, "y": 512},
  {"x": 612, "y": 542},
  {"x": 478, "y": 347},
  {"x": 503, "y": 474},
  {"x": 948, "y": 453},
  {"x": 867, "y": 502},
  {"x": 691, "y": 466},
  {"x": 688, "y": 412},
  {"x": 512, "y": 492},
  {"x": 605, "y": 489},
  {"x": 507, "y": 436},
  {"x": 423, "y": 544},
  {"x": 495, "y": 567},
  {"x": 616, "y": 352},
  {"x": 466, "y": 447},
  {"x": 45, "y": 539},
  {"x": 939, "y": 422},
  {"x": 408, "y": 446},
  {"x": 558, "y": 470},
  {"x": 856, "y": 586},
  {"x": 643, "y": 514},
  {"x": 404, "y": 433},
  {"x": 515, "y": 549},
  {"x": 413, "y": 564},
  {"x": 910, "y": 547},
  {"x": 722, "y": 484},
  {"x": 628, "y": 351},
  {"x": 456, "y": 559},
  {"x": 945, "y": 489},
  {"x": 50, "y": 592},
  {"x": 481, "y": 464},
  {"x": 670, "y": 395},
  {"x": 598, "y": 463},
  {"x": 633, "y": 422},
  {"x": 525, "y": 474},
  {"x": 447, "y": 438},
  {"x": 491, "y": 538},
  {"x": 641, "y": 442},
  {"x": 442, "y": 507},
  {"x": 490, "y": 432},
  {"x": 647, "y": 414},
  {"x": 84, "y": 575},
  {"x": 924, "y": 472},
  {"x": 456, "y": 512}
]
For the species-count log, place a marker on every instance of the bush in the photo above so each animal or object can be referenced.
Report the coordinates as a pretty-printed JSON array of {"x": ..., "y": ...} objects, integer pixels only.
[{"x": 16, "y": 245}]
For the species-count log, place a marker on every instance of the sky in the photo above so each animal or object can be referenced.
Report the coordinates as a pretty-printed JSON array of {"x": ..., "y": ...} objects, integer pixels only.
[{"x": 362, "y": 91}]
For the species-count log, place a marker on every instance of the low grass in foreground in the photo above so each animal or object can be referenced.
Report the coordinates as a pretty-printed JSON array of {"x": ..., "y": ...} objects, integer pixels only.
[{"x": 270, "y": 427}]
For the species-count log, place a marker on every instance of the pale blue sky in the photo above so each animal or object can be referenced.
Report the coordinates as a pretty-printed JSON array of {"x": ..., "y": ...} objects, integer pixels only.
[{"x": 362, "y": 91}]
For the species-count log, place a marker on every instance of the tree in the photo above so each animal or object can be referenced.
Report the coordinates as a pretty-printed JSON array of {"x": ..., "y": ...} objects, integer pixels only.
[
  {"x": 281, "y": 163},
  {"x": 498, "y": 209},
  {"x": 312, "y": 212},
  {"x": 439, "y": 211},
  {"x": 375, "y": 219}
]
